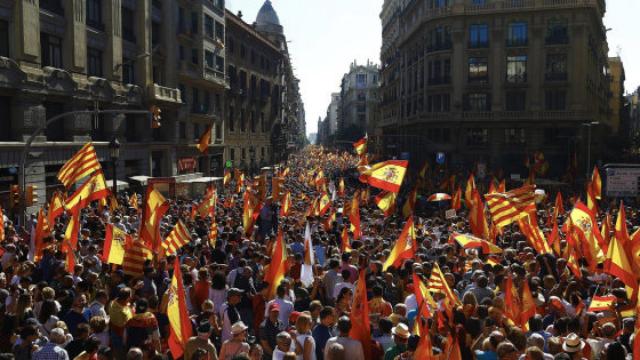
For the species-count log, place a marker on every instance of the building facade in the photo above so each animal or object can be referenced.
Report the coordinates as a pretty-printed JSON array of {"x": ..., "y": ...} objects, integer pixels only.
[
  {"x": 358, "y": 101},
  {"x": 328, "y": 126},
  {"x": 254, "y": 105},
  {"x": 528, "y": 75}
]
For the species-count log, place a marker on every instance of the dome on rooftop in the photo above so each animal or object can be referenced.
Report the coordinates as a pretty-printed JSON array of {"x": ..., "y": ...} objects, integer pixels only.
[{"x": 267, "y": 19}]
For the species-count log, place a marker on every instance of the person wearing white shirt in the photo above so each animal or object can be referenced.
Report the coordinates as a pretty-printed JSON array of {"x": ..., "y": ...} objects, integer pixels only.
[
  {"x": 352, "y": 348},
  {"x": 286, "y": 306}
]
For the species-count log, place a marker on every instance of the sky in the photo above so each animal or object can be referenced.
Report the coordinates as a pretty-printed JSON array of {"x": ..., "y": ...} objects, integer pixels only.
[{"x": 326, "y": 36}]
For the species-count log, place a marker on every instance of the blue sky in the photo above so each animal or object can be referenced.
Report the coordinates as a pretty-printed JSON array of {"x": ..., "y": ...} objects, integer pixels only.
[{"x": 327, "y": 35}]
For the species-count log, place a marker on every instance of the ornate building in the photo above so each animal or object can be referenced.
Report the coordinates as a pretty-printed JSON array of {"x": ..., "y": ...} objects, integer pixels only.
[
  {"x": 358, "y": 106},
  {"x": 493, "y": 80}
]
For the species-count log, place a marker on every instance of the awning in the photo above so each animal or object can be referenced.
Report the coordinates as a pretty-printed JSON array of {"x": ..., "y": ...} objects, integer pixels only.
[
  {"x": 122, "y": 185},
  {"x": 202, "y": 180},
  {"x": 142, "y": 179}
]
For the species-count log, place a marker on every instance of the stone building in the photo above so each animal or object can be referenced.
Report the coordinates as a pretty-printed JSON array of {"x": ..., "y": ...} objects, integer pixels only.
[
  {"x": 491, "y": 81},
  {"x": 358, "y": 101},
  {"x": 328, "y": 127},
  {"x": 253, "y": 105}
]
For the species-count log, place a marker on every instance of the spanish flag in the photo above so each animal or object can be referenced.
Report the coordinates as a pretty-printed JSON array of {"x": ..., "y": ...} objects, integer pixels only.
[
  {"x": 213, "y": 233},
  {"x": 328, "y": 222},
  {"x": 133, "y": 201},
  {"x": 468, "y": 241},
  {"x": 360, "y": 327},
  {"x": 275, "y": 271},
  {"x": 386, "y": 201},
  {"x": 341, "y": 187},
  {"x": 345, "y": 246},
  {"x": 468, "y": 191},
  {"x": 286, "y": 204},
  {"x": 205, "y": 140},
  {"x": 324, "y": 204},
  {"x": 456, "y": 201},
  {"x": 528, "y": 304},
  {"x": 354, "y": 218},
  {"x": 592, "y": 202},
  {"x": 180, "y": 324},
  {"x": 404, "y": 247},
  {"x": 227, "y": 177},
  {"x": 250, "y": 212},
  {"x": 617, "y": 262},
  {"x": 56, "y": 208},
  {"x": 361, "y": 146},
  {"x": 208, "y": 205},
  {"x": 410, "y": 204},
  {"x": 116, "y": 243},
  {"x": 559, "y": 205},
  {"x": 42, "y": 230},
  {"x": 155, "y": 208},
  {"x": 596, "y": 183},
  {"x": 386, "y": 175},
  {"x": 601, "y": 303}
]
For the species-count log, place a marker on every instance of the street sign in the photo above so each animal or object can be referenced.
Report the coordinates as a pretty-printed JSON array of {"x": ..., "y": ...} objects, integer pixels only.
[
  {"x": 228, "y": 164},
  {"x": 622, "y": 182}
]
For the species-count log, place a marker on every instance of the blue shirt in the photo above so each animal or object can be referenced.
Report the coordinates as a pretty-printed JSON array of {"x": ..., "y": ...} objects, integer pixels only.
[{"x": 321, "y": 334}]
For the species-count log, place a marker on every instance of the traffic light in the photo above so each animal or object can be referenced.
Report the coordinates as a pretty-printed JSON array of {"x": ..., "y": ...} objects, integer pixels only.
[
  {"x": 156, "y": 116},
  {"x": 31, "y": 195},
  {"x": 14, "y": 196}
]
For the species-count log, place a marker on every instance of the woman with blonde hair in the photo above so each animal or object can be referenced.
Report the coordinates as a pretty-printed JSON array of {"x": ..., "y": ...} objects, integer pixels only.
[{"x": 304, "y": 338}]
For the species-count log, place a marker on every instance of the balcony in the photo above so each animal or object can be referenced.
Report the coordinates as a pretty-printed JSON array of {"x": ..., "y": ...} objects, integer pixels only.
[
  {"x": 161, "y": 93},
  {"x": 54, "y": 6},
  {"x": 216, "y": 77},
  {"x": 556, "y": 76}
]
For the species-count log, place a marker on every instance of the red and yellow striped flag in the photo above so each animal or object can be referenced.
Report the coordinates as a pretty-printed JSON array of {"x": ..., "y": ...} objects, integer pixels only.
[
  {"x": 468, "y": 191},
  {"x": 135, "y": 257},
  {"x": 155, "y": 208},
  {"x": 84, "y": 163},
  {"x": 511, "y": 206},
  {"x": 208, "y": 205},
  {"x": 56, "y": 208},
  {"x": 43, "y": 230},
  {"x": 205, "y": 140},
  {"x": 179, "y": 322},
  {"x": 354, "y": 217},
  {"x": 133, "y": 201},
  {"x": 275, "y": 271},
  {"x": 345, "y": 246},
  {"x": 116, "y": 243},
  {"x": 92, "y": 190},
  {"x": 617, "y": 262},
  {"x": 177, "y": 238},
  {"x": 386, "y": 201},
  {"x": 456, "y": 200},
  {"x": 404, "y": 247},
  {"x": 213, "y": 233},
  {"x": 534, "y": 235},
  {"x": 286, "y": 204}
]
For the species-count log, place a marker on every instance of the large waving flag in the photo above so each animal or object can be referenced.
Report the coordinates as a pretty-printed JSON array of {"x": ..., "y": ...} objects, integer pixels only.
[
  {"x": 208, "y": 205},
  {"x": 205, "y": 140},
  {"x": 56, "y": 208},
  {"x": 84, "y": 163},
  {"x": 116, "y": 243},
  {"x": 386, "y": 201},
  {"x": 360, "y": 327},
  {"x": 93, "y": 189},
  {"x": 386, "y": 175},
  {"x": 155, "y": 208},
  {"x": 361, "y": 146},
  {"x": 306, "y": 272},
  {"x": 617, "y": 262},
  {"x": 511, "y": 206},
  {"x": 468, "y": 241},
  {"x": 584, "y": 220},
  {"x": 177, "y": 238},
  {"x": 179, "y": 322},
  {"x": 404, "y": 247},
  {"x": 276, "y": 269},
  {"x": 134, "y": 258},
  {"x": 601, "y": 303}
]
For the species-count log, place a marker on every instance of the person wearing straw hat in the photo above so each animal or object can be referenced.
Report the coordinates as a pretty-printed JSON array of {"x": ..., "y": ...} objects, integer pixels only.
[
  {"x": 237, "y": 344},
  {"x": 401, "y": 336},
  {"x": 573, "y": 346}
]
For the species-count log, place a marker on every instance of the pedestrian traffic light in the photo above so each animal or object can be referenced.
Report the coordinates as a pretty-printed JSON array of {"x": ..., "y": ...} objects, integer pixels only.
[
  {"x": 156, "y": 116},
  {"x": 14, "y": 196},
  {"x": 31, "y": 195}
]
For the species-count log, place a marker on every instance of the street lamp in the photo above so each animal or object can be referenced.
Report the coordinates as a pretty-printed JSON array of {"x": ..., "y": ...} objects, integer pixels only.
[
  {"x": 114, "y": 152},
  {"x": 589, "y": 125}
]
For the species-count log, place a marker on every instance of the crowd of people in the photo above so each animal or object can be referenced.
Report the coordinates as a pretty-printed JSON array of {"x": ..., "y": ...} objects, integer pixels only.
[{"x": 97, "y": 311}]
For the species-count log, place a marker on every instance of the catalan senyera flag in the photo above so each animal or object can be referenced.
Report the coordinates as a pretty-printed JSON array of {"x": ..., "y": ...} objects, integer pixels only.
[
  {"x": 179, "y": 322},
  {"x": 135, "y": 257},
  {"x": 596, "y": 183},
  {"x": 360, "y": 327},
  {"x": 410, "y": 204},
  {"x": 511, "y": 206},
  {"x": 155, "y": 208},
  {"x": 477, "y": 219},
  {"x": 361, "y": 146},
  {"x": 94, "y": 189},
  {"x": 404, "y": 247},
  {"x": 84, "y": 163},
  {"x": 56, "y": 207},
  {"x": 286, "y": 204},
  {"x": 438, "y": 284},
  {"x": 205, "y": 140},
  {"x": 534, "y": 235},
  {"x": 502, "y": 187},
  {"x": 456, "y": 199},
  {"x": 42, "y": 230},
  {"x": 276, "y": 269},
  {"x": 601, "y": 303},
  {"x": 208, "y": 205},
  {"x": 177, "y": 238},
  {"x": 386, "y": 201},
  {"x": 116, "y": 243},
  {"x": 386, "y": 175},
  {"x": 468, "y": 241},
  {"x": 345, "y": 245},
  {"x": 354, "y": 218}
]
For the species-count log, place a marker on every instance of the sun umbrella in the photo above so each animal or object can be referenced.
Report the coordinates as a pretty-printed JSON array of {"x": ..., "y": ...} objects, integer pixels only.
[{"x": 439, "y": 197}]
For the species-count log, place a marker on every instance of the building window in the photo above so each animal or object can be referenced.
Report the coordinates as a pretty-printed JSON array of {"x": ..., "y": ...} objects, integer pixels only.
[
  {"x": 128, "y": 24},
  {"x": 514, "y": 136},
  {"x": 434, "y": 4},
  {"x": 128, "y": 74},
  {"x": 195, "y": 100},
  {"x": 94, "y": 62},
  {"x": 51, "y": 50},
  {"x": 478, "y": 36},
  {"x": 517, "y": 69},
  {"x": 556, "y": 67},
  {"x": 515, "y": 101},
  {"x": 208, "y": 59},
  {"x": 361, "y": 81},
  {"x": 232, "y": 119},
  {"x": 477, "y": 136},
  {"x": 478, "y": 69},
  {"x": 557, "y": 32},
  {"x": 4, "y": 38},
  {"x": 263, "y": 125},
  {"x": 94, "y": 14},
  {"x": 477, "y": 102},
  {"x": 183, "y": 93},
  {"x": 206, "y": 102},
  {"x": 517, "y": 34},
  {"x": 219, "y": 63},
  {"x": 555, "y": 100},
  {"x": 232, "y": 154},
  {"x": 194, "y": 23},
  {"x": 194, "y": 56},
  {"x": 438, "y": 103},
  {"x": 55, "y": 6},
  {"x": 183, "y": 130},
  {"x": 208, "y": 26},
  {"x": 243, "y": 125},
  {"x": 253, "y": 121},
  {"x": 244, "y": 153},
  {"x": 218, "y": 131},
  {"x": 220, "y": 31},
  {"x": 439, "y": 38}
]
